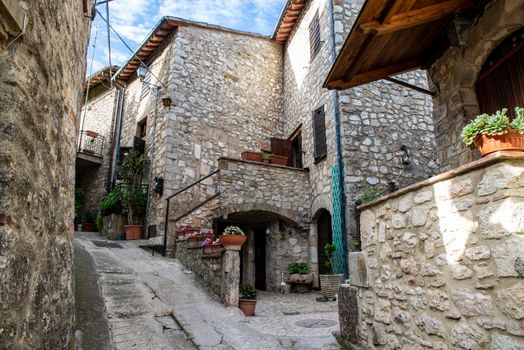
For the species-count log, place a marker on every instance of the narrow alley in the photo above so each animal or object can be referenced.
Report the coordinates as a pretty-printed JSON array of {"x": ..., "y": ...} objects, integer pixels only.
[{"x": 155, "y": 303}]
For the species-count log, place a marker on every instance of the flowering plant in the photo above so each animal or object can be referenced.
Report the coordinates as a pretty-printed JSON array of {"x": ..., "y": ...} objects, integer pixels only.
[
  {"x": 233, "y": 230},
  {"x": 207, "y": 242}
]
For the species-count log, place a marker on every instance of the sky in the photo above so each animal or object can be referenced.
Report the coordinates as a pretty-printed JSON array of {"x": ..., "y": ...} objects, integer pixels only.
[{"x": 134, "y": 20}]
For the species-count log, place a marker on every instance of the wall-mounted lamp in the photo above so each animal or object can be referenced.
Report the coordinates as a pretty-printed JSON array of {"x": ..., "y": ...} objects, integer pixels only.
[
  {"x": 167, "y": 101},
  {"x": 268, "y": 231},
  {"x": 141, "y": 71},
  {"x": 159, "y": 186},
  {"x": 406, "y": 156},
  {"x": 458, "y": 32}
]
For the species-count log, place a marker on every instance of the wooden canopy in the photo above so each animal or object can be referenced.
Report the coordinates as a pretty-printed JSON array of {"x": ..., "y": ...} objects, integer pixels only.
[{"x": 392, "y": 36}]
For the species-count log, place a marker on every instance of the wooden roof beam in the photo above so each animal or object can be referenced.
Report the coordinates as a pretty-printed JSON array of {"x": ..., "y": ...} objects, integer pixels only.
[{"x": 415, "y": 18}]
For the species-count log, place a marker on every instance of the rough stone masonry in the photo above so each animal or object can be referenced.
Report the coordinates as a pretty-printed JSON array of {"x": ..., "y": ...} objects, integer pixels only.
[{"x": 41, "y": 75}]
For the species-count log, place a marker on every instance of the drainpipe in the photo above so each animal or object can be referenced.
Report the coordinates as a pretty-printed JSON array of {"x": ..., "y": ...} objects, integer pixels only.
[
  {"x": 118, "y": 118},
  {"x": 340, "y": 161},
  {"x": 151, "y": 156}
]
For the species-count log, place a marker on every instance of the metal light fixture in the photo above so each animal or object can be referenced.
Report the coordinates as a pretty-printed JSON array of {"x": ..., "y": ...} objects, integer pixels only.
[
  {"x": 458, "y": 32},
  {"x": 406, "y": 156},
  {"x": 142, "y": 71}
]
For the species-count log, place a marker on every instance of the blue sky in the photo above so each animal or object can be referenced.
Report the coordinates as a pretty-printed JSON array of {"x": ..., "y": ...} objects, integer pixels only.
[{"x": 134, "y": 19}]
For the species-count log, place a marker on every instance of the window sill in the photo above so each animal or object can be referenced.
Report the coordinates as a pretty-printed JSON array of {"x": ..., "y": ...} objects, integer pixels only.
[{"x": 319, "y": 159}]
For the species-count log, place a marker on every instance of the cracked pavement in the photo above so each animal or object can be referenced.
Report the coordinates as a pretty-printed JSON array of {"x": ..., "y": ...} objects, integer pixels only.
[{"x": 153, "y": 302}]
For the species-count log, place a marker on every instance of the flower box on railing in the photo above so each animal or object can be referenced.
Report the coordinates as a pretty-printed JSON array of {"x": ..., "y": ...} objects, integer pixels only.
[{"x": 212, "y": 249}]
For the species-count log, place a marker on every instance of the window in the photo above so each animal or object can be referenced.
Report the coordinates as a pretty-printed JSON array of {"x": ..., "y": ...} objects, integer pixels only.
[
  {"x": 319, "y": 134},
  {"x": 145, "y": 86},
  {"x": 314, "y": 36},
  {"x": 141, "y": 128}
]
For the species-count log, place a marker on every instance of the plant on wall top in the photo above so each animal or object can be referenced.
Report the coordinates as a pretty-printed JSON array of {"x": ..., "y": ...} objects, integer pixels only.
[
  {"x": 329, "y": 250},
  {"x": 132, "y": 170},
  {"x": 495, "y": 124},
  {"x": 369, "y": 195},
  {"x": 298, "y": 267},
  {"x": 233, "y": 230}
]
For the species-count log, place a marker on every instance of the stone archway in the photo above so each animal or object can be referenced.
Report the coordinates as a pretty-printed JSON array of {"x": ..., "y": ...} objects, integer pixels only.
[{"x": 320, "y": 205}]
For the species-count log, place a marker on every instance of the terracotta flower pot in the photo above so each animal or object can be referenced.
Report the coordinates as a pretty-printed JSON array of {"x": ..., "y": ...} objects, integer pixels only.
[
  {"x": 232, "y": 242},
  {"x": 278, "y": 160},
  {"x": 247, "y": 306},
  {"x": 329, "y": 285},
  {"x": 88, "y": 227},
  {"x": 250, "y": 155},
  {"x": 510, "y": 141},
  {"x": 132, "y": 232}
]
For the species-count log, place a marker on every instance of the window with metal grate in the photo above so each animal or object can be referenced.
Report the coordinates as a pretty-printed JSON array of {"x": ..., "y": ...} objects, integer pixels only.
[
  {"x": 314, "y": 36},
  {"x": 145, "y": 86},
  {"x": 319, "y": 134}
]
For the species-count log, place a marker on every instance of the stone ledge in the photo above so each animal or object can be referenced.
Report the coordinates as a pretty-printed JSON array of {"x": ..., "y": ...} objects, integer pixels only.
[
  {"x": 481, "y": 163},
  {"x": 226, "y": 159}
]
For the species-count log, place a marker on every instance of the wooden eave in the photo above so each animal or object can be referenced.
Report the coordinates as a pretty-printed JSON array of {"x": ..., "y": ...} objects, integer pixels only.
[
  {"x": 105, "y": 74},
  {"x": 391, "y": 37},
  {"x": 288, "y": 19}
]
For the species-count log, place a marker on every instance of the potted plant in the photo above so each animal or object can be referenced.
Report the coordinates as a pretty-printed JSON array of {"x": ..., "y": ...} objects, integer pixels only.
[
  {"x": 330, "y": 282},
  {"x": 79, "y": 204},
  {"x": 251, "y": 155},
  {"x": 210, "y": 247},
  {"x": 132, "y": 171},
  {"x": 248, "y": 299},
  {"x": 279, "y": 160},
  {"x": 266, "y": 157},
  {"x": 233, "y": 238},
  {"x": 89, "y": 223},
  {"x": 300, "y": 278},
  {"x": 491, "y": 133}
]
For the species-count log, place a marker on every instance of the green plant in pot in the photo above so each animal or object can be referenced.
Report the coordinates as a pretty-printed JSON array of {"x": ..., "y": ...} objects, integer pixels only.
[
  {"x": 300, "y": 278},
  {"x": 112, "y": 202},
  {"x": 491, "y": 133},
  {"x": 330, "y": 282},
  {"x": 89, "y": 222},
  {"x": 248, "y": 299},
  {"x": 79, "y": 205},
  {"x": 233, "y": 238},
  {"x": 134, "y": 198}
]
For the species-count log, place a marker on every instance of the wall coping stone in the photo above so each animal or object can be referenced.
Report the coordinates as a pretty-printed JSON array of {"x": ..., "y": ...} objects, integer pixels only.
[
  {"x": 490, "y": 159},
  {"x": 227, "y": 159}
]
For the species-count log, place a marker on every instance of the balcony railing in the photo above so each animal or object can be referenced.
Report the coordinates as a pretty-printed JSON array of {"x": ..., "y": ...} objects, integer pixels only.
[{"x": 91, "y": 143}]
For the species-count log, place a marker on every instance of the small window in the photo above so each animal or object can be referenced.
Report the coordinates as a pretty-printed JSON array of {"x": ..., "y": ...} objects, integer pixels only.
[
  {"x": 141, "y": 128},
  {"x": 314, "y": 36},
  {"x": 145, "y": 86},
  {"x": 319, "y": 134}
]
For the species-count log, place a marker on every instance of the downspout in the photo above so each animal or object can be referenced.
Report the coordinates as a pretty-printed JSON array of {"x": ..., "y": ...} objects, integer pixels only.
[
  {"x": 340, "y": 161},
  {"x": 113, "y": 137},
  {"x": 151, "y": 157},
  {"x": 119, "y": 118}
]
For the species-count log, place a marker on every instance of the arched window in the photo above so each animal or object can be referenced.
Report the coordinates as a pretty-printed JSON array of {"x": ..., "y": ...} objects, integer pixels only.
[{"x": 501, "y": 81}]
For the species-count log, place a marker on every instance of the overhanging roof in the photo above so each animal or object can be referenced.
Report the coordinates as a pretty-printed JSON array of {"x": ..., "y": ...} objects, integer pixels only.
[
  {"x": 392, "y": 36},
  {"x": 288, "y": 19},
  {"x": 104, "y": 74}
]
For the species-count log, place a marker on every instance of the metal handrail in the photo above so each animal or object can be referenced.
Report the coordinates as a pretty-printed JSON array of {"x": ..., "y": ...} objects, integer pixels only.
[{"x": 168, "y": 199}]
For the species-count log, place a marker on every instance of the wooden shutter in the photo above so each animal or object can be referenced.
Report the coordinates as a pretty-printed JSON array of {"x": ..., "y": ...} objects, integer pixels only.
[
  {"x": 319, "y": 133},
  {"x": 314, "y": 36},
  {"x": 282, "y": 147},
  {"x": 501, "y": 83}
]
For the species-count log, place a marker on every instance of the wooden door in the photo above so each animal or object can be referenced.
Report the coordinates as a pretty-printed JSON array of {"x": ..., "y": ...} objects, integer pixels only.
[
  {"x": 501, "y": 82},
  {"x": 325, "y": 235},
  {"x": 282, "y": 147},
  {"x": 260, "y": 258}
]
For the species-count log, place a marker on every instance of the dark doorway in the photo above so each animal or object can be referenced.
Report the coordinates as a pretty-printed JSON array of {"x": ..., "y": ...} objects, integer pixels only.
[
  {"x": 296, "y": 150},
  {"x": 325, "y": 235},
  {"x": 260, "y": 258}
]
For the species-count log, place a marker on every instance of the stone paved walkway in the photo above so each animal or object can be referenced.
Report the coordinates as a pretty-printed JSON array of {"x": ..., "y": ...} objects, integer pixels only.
[{"x": 154, "y": 303}]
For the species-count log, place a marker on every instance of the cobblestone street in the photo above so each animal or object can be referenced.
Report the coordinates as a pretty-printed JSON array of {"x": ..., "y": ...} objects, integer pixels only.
[{"x": 154, "y": 303}]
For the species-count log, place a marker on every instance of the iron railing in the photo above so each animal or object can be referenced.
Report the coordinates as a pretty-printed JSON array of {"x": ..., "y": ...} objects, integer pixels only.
[
  {"x": 90, "y": 142},
  {"x": 168, "y": 199}
]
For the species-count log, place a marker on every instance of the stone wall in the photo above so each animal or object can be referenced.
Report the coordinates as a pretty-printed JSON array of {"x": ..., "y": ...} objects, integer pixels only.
[
  {"x": 377, "y": 119},
  {"x": 41, "y": 75},
  {"x": 455, "y": 75},
  {"x": 441, "y": 265}
]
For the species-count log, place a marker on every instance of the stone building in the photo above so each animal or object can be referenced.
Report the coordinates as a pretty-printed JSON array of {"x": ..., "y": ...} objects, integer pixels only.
[
  {"x": 234, "y": 91},
  {"x": 94, "y": 161},
  {"x": 43, "y": 46},
  {"x": 441, "y": 261}
]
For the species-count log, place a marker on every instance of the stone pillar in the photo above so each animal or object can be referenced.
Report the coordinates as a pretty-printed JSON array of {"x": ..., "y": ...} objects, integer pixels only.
[
  {"x": 349, "y": 313},
  {"x": 230, "y": 277}
]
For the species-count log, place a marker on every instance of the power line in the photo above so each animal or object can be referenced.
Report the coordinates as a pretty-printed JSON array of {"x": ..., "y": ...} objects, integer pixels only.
[{"x": 128, "y": 47}]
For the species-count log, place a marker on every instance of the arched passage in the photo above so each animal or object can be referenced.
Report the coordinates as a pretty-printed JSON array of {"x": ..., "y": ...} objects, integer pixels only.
[
  {"x": 273, "y": 242},
  {"x": 324, "y": 236}
]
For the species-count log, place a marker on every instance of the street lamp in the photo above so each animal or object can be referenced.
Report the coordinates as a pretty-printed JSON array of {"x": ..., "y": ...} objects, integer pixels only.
[{"x": 142, "y": 71}]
